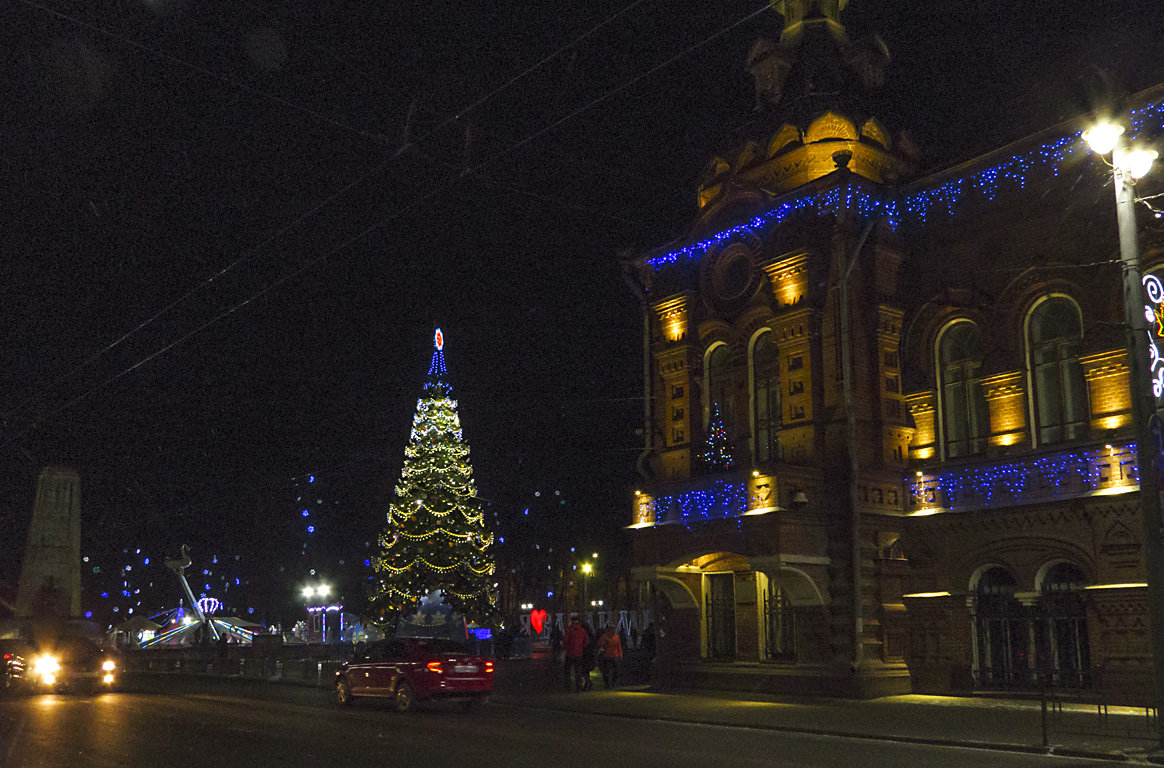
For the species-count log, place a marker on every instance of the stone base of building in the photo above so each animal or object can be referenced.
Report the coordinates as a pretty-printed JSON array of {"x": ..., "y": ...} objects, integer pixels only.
[{"x": 776, "y": 680}]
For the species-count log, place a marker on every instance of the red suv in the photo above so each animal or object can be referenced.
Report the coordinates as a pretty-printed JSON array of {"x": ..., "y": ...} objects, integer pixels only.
[{"x": 411, "y": 670}]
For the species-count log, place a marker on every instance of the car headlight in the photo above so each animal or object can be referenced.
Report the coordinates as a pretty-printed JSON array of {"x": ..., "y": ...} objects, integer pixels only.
[
  {"x": 109, "y": 665},
  {"x": 46, "y": 665}
]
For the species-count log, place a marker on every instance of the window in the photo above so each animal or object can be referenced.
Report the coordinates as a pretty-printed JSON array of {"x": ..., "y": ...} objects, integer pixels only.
[
  {"x": 719, "y": 384},
  {"x": 1000, "y": 632},
  {"x": 890, "y": 359},
  {"x": 676, "y": 391},
  {"x": 780, "y": 623},
  {"x": 795, "y": 362},
  {"x": 676, "y": 413},
  {"x": 1061, "y": 631},
  {"x": 1054, "y": 335},
  {"x": 766, "y": 396},
  {"x": 960, "y": 385}
]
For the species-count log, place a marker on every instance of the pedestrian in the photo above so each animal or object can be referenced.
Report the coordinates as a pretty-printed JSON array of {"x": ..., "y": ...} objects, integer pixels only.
[
  {"x": 556, "y": 645},
  {"x": 574, "y": 644},
  {"x": 504, "y": 640},
  {"x": 609, "y": 656},
  {"x": 648, "y": 645},
  {"x": 589, "y": 657}
]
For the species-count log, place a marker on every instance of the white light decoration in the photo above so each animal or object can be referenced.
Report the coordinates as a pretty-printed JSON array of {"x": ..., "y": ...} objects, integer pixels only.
[{"x": 1154, "y": 314}]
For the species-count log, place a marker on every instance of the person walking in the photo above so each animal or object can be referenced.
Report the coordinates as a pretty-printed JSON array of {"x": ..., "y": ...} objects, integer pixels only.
[
  {"x": 609, "y": 656},
  {"x": 589, "y": 656},
  {"x": 574, "y": 645}
]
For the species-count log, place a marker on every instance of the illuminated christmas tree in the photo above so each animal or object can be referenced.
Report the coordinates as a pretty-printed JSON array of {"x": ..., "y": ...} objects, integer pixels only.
[
  {"x": 435, "y": 540},
  {"x": 717, "y": 453}
]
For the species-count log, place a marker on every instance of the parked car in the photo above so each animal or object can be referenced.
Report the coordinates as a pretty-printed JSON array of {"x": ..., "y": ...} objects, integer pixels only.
[
  {"x": 72, "y": 664},
  {"x": 413, "y": 670},
  {"x": 14, "y": 659}
]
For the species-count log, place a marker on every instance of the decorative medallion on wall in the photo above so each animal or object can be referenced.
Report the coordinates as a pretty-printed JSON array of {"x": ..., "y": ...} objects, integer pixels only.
[{"x": 731, "y": 278}]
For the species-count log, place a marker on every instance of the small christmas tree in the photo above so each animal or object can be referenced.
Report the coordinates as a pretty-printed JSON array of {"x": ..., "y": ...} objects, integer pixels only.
[
  {"x": 435, "y": 539},
  {"x": 718, "y": 450}
]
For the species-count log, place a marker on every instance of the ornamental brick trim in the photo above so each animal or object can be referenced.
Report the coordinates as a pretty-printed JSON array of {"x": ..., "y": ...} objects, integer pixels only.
[{"x": 1003, "y": 385}]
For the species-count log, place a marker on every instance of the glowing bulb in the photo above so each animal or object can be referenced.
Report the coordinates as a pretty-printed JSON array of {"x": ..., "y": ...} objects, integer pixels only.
[
  {"x": 1139, "y": 161},
  {"x": 1102, "y": 137}
]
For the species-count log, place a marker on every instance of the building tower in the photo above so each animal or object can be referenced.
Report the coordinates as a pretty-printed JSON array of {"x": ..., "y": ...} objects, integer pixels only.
[
  {"x": 50, "y": 580},
  {"x": 778, "y": 311}
]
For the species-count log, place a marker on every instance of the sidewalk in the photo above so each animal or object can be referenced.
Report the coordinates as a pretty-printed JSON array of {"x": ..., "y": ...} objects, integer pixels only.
[{"x": 1125, "y": 734}]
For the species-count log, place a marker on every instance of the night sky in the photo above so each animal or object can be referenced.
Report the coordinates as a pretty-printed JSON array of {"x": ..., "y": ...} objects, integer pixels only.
[{"x": 221, "y": 269}]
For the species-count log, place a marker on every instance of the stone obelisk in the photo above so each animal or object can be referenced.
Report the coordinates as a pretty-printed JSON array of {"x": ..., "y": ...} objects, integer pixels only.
[{"x": 50, "y": 581}]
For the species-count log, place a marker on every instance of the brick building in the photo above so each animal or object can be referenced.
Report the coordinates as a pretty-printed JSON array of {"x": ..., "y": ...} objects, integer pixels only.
[{"x": 933, "y": 483}]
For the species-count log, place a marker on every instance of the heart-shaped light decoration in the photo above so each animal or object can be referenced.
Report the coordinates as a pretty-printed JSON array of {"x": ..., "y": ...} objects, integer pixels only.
[{"x": 537, "y": 620}]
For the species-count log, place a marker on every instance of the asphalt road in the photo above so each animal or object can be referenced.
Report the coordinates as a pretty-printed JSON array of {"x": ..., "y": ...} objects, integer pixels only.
[{"x": 169, "y": 730}]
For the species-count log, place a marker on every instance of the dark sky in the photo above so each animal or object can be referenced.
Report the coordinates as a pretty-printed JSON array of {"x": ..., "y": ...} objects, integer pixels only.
[{"x": 147, "y": 146}]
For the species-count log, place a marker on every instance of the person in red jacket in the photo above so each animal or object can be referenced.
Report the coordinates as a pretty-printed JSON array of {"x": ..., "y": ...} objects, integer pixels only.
[
  {"x": 574, "y": 643},
  {"x": 609, "y": 656}
]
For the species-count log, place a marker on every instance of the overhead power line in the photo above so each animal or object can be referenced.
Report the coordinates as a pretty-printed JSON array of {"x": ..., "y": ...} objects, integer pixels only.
[{"x": 398, "y": 214}]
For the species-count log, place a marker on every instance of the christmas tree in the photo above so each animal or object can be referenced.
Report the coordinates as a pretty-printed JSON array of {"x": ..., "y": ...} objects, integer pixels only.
[
  {"x": 435, "y": 539},
  {"x": 717, "y": 453}
]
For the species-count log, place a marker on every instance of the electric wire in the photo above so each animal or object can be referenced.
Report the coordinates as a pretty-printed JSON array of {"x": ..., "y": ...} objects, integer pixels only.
[
  {"x": 377, "y": 138},
  {"x": 401, "y": 212}
]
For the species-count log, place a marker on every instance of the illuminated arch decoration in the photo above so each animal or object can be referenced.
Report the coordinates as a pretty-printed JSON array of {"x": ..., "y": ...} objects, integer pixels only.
[
  {"x": 1154, "y": 314},
  {"x": 209, "y": 605}
]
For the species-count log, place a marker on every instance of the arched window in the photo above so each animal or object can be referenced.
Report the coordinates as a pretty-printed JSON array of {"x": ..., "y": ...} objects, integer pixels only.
[
  {"x": 1064, "y": 652},
  {"x": 765, "y": 396},
  {"x": 959, "y": 376},
  {"x": 719, "y": 385},
  {"x": 1060, "y": 403},
  {"x": 999, "y": 631}
]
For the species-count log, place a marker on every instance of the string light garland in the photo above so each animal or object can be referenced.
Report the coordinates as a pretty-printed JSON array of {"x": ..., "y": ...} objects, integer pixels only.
[
  {"x": 943, "y": 197},
  {"x": 1067, "y": 474},
  {"x": 722, "y": 499},
  {"x": 717, "y": 453}
]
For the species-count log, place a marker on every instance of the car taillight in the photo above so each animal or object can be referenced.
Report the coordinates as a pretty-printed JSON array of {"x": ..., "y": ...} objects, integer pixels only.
[
  {"x": 489, "y": 666},
  {"x": 7, "y": 656},
  {"x": 434, "y": 666}
]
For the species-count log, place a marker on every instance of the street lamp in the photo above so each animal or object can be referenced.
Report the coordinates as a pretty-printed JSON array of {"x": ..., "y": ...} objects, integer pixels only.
[
  {"x": 1129, "y": 164},
  {"x": 586, "y": 569}
]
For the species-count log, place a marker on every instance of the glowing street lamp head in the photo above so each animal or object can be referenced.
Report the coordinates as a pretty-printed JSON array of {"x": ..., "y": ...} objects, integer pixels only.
[
  {"x": 1139, "y": 161},
  {"x": 308, "y": 591},
  {"x": 586, "y": 568},
  {"x": 323, "y": 590},
  {"x": 1102, "y": 137}
]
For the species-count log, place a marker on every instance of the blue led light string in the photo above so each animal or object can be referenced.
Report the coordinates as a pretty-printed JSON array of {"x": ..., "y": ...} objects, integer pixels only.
[
  {"x": 722, "y": 500},
  {"x": 917, "y": 207},
  {"x": 1063, "y": 475}
]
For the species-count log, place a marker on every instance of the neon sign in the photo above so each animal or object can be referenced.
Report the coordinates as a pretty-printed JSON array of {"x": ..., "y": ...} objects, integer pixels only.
[{"x": 1154, "y": 313}]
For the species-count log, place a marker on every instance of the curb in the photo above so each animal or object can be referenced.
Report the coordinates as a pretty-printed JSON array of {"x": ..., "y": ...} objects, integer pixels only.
[{"x": 1054, "y": 751}]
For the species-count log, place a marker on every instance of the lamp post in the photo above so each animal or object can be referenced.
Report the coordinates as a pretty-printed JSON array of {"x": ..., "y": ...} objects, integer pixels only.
[{"x": 1129, "y": 164}]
